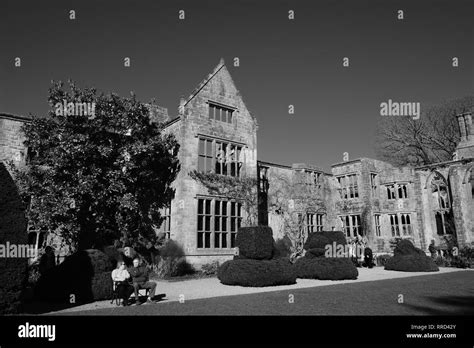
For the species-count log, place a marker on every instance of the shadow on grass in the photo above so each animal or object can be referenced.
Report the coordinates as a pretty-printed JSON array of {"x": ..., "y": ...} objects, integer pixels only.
[{"x": 447, "y": 305}]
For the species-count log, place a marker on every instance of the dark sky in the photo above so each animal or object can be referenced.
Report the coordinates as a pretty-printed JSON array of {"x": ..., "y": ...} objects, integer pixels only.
[{"x": 282, "y": 62}]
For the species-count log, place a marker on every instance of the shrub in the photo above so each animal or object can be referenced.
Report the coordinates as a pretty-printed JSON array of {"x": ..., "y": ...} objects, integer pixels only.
[
  {"x": 411, "y": 263},
  {"x": 282, "y": 248},
  {"x": 255, "y": 242},
  {"x": 325, "y": 268},
  {"x": 85, "y": 274},
  {"x": 319, "y": 240},
  {"x": 210, "y": 268},
  {"x": 256, "y": 273},
  {"x": 172, "y": 267},
  {"x": 406, "y": 247},
  {"x": 171, "y": 249},
  {"x": 316, "y": 252},
  {"x": 382, "y": 259},
  {"x": 13, "y": 271}
]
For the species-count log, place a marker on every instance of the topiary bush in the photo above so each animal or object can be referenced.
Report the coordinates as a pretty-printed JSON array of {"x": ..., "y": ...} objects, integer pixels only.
[
  {"x": 210, "y": 268},
  {"x": 85, "y": 274},
  {"x": 256, "y": 273},
  {"x": 319, "y": 240},
  {"x": 255, "y": 242},
  {"x": 325, "y": 268},
  {"x": 408, "y": 258},
  {"x": 13, "y": 271},
  {"x": 411, "y": 263},
  {"x": 406, "y": 247},
  {"x": 382, "y": 259},
  {"x": 316, "y": 252}
]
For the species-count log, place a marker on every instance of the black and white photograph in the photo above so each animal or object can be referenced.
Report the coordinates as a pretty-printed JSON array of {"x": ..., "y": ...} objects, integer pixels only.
[{"x": 183, "y": 172}]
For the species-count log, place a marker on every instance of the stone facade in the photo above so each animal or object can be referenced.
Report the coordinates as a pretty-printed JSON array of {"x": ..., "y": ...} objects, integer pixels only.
[{"x": 364, "y": 196}]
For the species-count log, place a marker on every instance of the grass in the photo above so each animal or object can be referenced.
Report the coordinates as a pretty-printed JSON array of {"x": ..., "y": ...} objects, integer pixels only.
[{"x": 436, "y": 294}]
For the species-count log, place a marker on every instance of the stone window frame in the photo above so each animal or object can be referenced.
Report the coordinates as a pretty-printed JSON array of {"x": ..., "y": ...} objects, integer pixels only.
[
  {"x": 352, "y": 225},
  {"x": 348, "y": 187},
  {"x": 397, "y": 190},
  {"x": 378, "y": 225},
  {"x": 208, "y": 237},
  {"x": 401, "y": 224},
  {"x": 165, "y": 226},
  {"x": 230, "y": 110},
  {"x": 210, "y": 158},
  {"x": 314, "y": 222},
  {"x": 374, "y": 183}
]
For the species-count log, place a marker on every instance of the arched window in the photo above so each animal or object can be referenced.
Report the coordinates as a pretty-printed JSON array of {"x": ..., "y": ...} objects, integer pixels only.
[{"x": 441, "y": 203}]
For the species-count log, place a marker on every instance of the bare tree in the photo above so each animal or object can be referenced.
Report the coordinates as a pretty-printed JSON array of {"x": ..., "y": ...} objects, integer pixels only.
[{"x": 431, "y": 138}]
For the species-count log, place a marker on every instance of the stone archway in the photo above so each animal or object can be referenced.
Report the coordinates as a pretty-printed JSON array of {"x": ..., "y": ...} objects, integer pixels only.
[{"x": 13, "y": 224}]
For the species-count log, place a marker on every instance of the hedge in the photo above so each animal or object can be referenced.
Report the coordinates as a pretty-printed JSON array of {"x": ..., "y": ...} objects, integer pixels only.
[
  {"x": 316, "y": 252},
  {"x": 325, "y": 268},
  {"x": 406, "y": 247},
  {"x": 255, "y": 242},
  {"x": 411, "y": 263},
  {"x": 13, "y": 271},
  {"x": 319, "y": 240},
  {"x": 85, "y": 274},
  {"x": 256, "y": 273},
  {"x": 408, "y": 258}
]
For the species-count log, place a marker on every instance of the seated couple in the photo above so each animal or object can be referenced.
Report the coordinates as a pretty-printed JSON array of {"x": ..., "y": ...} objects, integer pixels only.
[{"x": 132, "y": 279}]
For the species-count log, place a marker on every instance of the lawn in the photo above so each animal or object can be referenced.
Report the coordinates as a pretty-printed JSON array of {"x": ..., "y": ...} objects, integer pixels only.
[{"x": 440, "y": 294}]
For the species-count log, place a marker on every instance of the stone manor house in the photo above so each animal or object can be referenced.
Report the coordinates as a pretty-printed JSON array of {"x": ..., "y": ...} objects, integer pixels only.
[{"x": 362, "y": 196}]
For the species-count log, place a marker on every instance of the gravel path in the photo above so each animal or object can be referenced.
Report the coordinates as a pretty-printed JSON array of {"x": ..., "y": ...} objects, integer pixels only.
[{"x": 211, "y": 287}]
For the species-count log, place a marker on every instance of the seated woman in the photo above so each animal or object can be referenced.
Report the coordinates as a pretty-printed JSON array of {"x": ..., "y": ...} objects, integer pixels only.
[{"x": 120, "y": 276}]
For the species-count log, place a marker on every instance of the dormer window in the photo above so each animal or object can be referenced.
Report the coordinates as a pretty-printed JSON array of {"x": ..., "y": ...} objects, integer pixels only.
[{"x": 220, "y": 113}]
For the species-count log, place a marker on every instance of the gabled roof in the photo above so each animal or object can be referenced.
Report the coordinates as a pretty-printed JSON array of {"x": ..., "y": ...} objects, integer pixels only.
[{"x": 205, "y": 81}]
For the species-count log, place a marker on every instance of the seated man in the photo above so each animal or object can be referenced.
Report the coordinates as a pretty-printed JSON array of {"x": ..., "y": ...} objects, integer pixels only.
[
  {"x": 120, "y": 276},
  {"x": 139, "y": 275}
]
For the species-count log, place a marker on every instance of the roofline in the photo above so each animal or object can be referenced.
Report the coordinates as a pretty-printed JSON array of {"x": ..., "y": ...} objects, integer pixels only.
[
  {"x": 346, "y": 162},
  {"x": 274, "y": 164},
  {"x": 461, "y": 161},
  {"x": 292, "y": 168},
  {"x": 173, "y": 121},
  {"x": 15, "y": 117},
  {"x": 204, "y": 82}
]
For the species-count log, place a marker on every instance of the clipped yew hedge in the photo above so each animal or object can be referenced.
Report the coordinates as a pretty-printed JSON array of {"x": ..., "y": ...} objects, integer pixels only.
[
  {"x": 411, "y": 263},
  {"x": 13, "y": 271},
  {"x": 408, "y": 258},
  {"x": 325, "y": 268},
  {"x": 319, "y": 240},
  {"x": 85, "y": 274},
  {"x": 255, "y": 242},
  {"x": 256, "y": 273}
]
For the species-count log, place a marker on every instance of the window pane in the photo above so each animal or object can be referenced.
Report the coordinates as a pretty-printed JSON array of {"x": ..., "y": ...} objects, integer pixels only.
[
  {"x": 202, "y": 143},
  {"x": 208, "y": 206},
  {"x": 208, "y": 223},
  {"x": 200, "y": 224},
  {"x": 207, "y": 241},
  {"x": 229, "y": 119},
  {"x": 200, "y": 206},
  {"x": 200, "y": 237},
  {"x": 208, "y": 164},
  {"x": 201, "y": 164}
]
